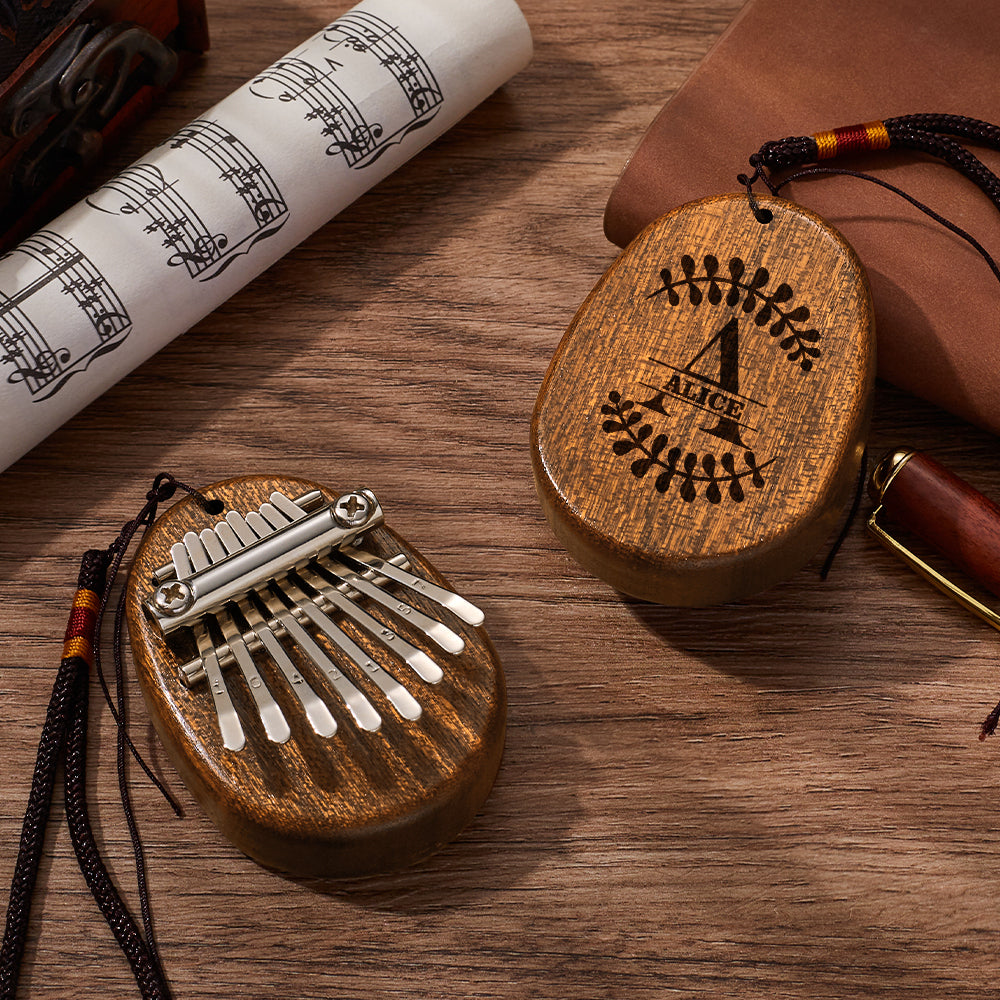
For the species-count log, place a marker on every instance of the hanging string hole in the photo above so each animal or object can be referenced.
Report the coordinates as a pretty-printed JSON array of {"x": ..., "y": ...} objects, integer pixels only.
[{"x": 214, "y": 507}]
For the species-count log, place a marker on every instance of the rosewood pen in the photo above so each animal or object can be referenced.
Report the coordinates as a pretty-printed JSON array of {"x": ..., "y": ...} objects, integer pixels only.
[{"x": 916, "y": 493}]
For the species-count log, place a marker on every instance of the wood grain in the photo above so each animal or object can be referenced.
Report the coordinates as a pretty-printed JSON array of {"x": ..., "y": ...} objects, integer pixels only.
[
  {"x": 702, "y": 422},
  {"x": 356, "y": 803},
  {"x": 783, "y": 797}
]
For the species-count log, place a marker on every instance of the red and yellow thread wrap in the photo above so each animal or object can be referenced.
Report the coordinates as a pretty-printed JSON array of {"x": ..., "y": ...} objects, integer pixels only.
[
  {"x": 80, "y": 630},
  {"x": 851, "y": 139}
]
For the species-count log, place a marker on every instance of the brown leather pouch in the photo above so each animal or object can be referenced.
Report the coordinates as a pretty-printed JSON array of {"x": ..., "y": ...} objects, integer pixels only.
[{"x": 785, "y": 68}]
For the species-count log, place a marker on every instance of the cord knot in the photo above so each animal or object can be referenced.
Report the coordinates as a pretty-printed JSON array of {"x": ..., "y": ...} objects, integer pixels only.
[{"x": 164, "y": 487}]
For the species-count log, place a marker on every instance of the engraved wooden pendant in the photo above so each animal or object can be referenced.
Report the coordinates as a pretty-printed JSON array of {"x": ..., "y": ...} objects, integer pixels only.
[
  {"x": 701, "y": 424},
  {"x": 325, "y": 696}
]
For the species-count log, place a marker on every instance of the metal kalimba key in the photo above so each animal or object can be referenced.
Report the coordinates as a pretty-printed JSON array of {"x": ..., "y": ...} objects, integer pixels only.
[{"x": 264, "y": 576}]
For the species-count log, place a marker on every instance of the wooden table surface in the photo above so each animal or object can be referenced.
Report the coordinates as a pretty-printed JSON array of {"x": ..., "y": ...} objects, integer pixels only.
[{"x": 780, "y": 798}]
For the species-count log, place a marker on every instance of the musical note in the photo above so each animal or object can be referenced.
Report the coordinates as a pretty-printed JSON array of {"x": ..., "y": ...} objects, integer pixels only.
[
  {"x": 395, "y": 54},
  {"x": 355, "y": 43},
  {"x": 362, "y": 40},
  {"x": 297, "y": 77},
  {"x": 180, "y": 139},
  {"x": 241, "y": 173},
  {"x": 182, "y": 211},
  {"x": 49, "y": 260}
]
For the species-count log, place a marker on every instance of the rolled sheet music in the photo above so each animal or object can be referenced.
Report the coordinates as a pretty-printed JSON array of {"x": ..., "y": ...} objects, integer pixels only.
[{"x": 145, "y": 257}]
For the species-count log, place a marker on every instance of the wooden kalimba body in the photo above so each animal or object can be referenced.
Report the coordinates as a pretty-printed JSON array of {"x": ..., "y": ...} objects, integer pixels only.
[{"x": 327, "y": 698}]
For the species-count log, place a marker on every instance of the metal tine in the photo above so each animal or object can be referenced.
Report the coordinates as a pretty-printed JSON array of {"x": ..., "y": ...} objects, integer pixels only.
[
  {"x": 213, "y": 546},
  {"x": 357, "y": 704},
  {"x": 287, "y": 506},
  {"x": 283, "y": 510},
  {"x": 258, "y": 525},
  {"x": 274, "y": 516},
  {"x": 228, "y": 537},
  {"x": 239, "y": 525},
  {"x": 275, "y": 724},
  {"x": 196, "y": 551},
  {"x": 188, "y": 556},
  {"x": 398, "y": 696},
  {"x": 448, "y": 640},
  {"x": 233, "y": 737},
  {"x": 416, "y": 659},
  {"x": 181, "y": 560},
  {"x": 401, "y": 699},
  {"x": 455, "y": 603},
  {"x": 319, "y": 716},
  {"x": 209, "y": 547}
]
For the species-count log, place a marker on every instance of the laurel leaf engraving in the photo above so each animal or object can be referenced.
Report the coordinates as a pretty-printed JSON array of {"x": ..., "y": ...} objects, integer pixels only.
[
  {"x": 659, "y": 443},
  {"x": 691, "y": 473},
  {"x": 756, "y": 300}
]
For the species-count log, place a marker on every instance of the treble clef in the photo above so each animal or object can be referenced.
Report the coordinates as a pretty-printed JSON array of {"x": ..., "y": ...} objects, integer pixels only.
[
  {"x": 203, "y": 251},
  {"x": 268, "y": 209},
  {"x": 360, "y": 142},
  {"x": 47, "y": 365}
]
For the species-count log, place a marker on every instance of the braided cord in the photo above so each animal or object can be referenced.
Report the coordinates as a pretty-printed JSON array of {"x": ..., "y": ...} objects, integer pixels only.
[
  {"x": 959, "y": 126},
  {"x": 36, "y": 817},
  {"x": 51, "y": 747},
  {"x": 932, "y": 134},
  {"x": 146, "y": 969},
  {"x": 64, "y": 740}
]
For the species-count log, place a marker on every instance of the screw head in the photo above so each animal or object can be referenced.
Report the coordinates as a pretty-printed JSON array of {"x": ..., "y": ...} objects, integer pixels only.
[
  {"x": 352, "y": 510},
  {"x": 173, "y": 597}
]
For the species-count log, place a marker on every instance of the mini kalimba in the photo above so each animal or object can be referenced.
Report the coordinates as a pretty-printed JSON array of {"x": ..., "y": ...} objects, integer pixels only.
[{"x": 326, "y": 697}]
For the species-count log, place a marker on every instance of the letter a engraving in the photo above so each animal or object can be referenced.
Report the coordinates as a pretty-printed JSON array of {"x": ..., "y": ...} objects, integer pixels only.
[{"x": 728, "y": 339}]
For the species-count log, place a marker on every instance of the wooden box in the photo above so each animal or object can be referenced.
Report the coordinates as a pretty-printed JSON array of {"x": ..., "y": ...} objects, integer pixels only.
[{"x": 73, "y": 75}]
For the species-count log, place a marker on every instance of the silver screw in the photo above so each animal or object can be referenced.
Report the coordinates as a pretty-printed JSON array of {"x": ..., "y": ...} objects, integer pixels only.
[
  {"x": 352, "y": 510},
  {"x": 173, "y": 598}
]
